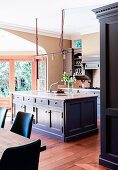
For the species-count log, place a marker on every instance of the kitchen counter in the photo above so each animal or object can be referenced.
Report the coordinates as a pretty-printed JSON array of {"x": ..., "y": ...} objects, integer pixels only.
[
  {"x": 82, "y": 89},
  {"x": 57, "y": 96},
  {"x": 65, "y": 117}
]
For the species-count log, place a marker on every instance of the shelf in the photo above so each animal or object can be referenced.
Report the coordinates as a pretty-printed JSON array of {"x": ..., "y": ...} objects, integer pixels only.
[
  {"x": 77, "y": 59},
  {"x": 77, "y": 66}
]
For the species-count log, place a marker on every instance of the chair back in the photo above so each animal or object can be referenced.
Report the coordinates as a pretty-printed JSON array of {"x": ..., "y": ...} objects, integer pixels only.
[
  {"x": 3, "y": 113},
  {"x": 25, "y": 157},
  {"x": 22, "y": 124}
]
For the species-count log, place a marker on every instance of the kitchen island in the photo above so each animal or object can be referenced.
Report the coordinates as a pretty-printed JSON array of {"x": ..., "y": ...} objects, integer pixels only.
[
  {"x": 65, "y": 117},
  {"x": 93, "y": 90}
]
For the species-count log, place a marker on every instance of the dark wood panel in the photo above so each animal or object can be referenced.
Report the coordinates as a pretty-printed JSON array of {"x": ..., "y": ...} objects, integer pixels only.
[
  {"x": 81, "y": 118},
  {"x": 112, "y": 135},
  {"x": 108, "y": 17},
  {"x": 73, "y": 115},
  {"x": 88, "y": 115},
  {"x": 112, "y": 64}
]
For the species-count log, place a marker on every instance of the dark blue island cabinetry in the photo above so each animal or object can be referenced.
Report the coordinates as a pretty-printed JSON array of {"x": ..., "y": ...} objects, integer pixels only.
[
  {"x": 65, "y": 118},
  {"x": 80, "y": 118}
]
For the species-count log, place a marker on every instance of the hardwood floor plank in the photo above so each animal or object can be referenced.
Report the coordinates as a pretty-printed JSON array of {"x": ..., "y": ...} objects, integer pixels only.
[
  {"x": 76, "y": 168},
  {"x": 91, "y": 167}
]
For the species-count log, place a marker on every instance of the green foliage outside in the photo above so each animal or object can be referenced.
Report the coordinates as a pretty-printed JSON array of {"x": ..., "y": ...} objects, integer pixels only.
[
  {"x": 23, "y": 77},
  {"x": 23, "y": 72},
  {"x": 41, "y": 75},
  {"x": 4, "y": 79},
  {"x": 78, "y": 44},
  {"x": 42, "y": 70}
]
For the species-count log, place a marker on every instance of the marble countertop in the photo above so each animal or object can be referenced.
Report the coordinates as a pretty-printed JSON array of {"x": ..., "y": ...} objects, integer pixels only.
[
  {"x": 82, "y": 89},
  {"x": 56, "y": 96}
]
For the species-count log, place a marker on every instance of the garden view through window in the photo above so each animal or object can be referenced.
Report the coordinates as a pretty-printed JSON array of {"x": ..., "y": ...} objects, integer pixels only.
[
  {"x": 4, "y": 79},
  {"x": 42, "y": 76},
  {"x": 79, "y": 44},
  {"x": 23, "y": 76}
]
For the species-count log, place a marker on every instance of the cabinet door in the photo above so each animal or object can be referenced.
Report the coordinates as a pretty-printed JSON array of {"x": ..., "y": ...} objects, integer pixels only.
[
  {"x": 18, "y": 107},
  {"x": 81, "y": 116},
  {"x": 56, "y": 121},
  {"x": 43, "y": 117},
  {"x": 32, "y": 110}
]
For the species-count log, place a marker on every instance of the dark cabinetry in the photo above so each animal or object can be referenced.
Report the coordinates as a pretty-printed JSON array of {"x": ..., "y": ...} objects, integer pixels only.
[
  {"x": 50, "y": 121},
  {"x": 81, "y": 118},
  {"x": 108, "y": 17},
  {"x": 43, "y": 117},
  {"x": 65, "y": 120},
  {"x": 72, "y": 61},
  {"x": 56, "y": 121}
]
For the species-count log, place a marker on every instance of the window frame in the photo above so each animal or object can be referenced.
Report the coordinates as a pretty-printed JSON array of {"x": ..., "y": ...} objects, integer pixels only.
[{"x": 44, "y": 58}]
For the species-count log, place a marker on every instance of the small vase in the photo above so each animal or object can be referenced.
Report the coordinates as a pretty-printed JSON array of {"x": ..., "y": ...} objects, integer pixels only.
[
  {"x": 65, "y": 83},
  {"x": 70, "y": 87}
]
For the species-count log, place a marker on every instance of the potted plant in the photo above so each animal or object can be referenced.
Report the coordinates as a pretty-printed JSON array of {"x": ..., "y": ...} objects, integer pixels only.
[{"x": 69, "y": 80}]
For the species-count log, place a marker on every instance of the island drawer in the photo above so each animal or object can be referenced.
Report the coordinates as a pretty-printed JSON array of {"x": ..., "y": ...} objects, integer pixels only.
[
  {"x": 29, "y": 99},
  {"x": 41, "y": 101},
  {"x": 18, "y": 98},
  {"x": 56, "y": 103}
]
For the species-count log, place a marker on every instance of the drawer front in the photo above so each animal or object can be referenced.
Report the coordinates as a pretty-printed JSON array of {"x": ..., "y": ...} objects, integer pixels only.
[
  {"x": 18, "y": 98},
  {"x": 41, "y": 101},
  {"x": 29, "y": 99},
  {"x": 56, "y": 103}
]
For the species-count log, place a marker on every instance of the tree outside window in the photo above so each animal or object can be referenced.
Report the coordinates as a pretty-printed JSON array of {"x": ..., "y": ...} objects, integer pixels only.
[
  {"x": 42, "y": 76},
  {"x": 23, "y": 73},
  {"x": 78, "y": 44},
  {"x": 4, "y": 79}
]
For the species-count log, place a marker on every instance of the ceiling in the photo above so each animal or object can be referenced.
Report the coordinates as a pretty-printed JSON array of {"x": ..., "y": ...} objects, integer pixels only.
[
  {"x": 20, "y": 15},
  {"x": 8, "y": 43}
]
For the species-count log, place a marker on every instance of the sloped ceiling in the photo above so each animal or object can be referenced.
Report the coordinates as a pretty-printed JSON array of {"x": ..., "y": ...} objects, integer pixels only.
[
  {"x": 78, "y": 16},
  {"x": 8, "y": 43}
]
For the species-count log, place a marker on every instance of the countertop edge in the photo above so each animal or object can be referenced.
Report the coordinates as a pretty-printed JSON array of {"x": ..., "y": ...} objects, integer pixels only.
[{"x": 72, "y": 96}]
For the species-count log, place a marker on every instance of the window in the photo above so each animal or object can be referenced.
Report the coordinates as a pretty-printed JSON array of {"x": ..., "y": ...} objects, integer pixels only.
[
  {"x": 78, "y": 44},
  {"x": 23, "y": 76},
  {"x": 4, "y": 79},
  {"x": 42, "y": 75}
]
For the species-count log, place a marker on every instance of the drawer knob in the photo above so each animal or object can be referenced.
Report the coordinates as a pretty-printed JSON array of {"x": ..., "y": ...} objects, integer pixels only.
[{"x": 55, "y": 102}]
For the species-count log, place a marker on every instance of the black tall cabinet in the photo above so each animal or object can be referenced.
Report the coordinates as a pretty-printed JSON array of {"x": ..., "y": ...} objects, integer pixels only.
[{"x": 108, "y": 17}]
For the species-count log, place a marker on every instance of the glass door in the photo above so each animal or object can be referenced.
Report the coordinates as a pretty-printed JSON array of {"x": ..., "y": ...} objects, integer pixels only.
[
  {"x": 23, "y": 76},
  {"x": 4, "y": 79},
  {"x": 42, "y": 74}
]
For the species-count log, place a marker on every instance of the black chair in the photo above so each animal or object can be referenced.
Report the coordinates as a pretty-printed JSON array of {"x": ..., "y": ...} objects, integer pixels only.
[
  {"x": 22, "y": 124},
  {"x": 3, "y": 113},
  {"x": 25, "y": 157}
]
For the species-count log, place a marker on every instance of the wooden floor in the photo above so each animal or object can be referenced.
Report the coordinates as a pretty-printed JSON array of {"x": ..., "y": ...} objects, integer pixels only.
[{"x": 82, "y": 154}]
